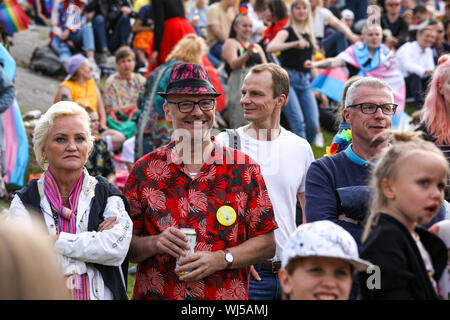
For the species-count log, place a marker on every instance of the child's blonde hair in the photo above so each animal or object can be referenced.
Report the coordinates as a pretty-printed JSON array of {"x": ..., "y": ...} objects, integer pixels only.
[{"x": 405, "y": 144}]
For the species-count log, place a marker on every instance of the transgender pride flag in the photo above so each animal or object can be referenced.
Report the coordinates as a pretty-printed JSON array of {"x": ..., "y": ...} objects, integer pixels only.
[
  {"x": 331, "y": 82},
  {"x": 15, "y": 137},
  {"x": 381, "y": 65}
]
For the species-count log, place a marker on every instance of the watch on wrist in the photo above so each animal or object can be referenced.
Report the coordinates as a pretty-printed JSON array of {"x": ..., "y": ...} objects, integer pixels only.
[{"x": 228, "y": 258}]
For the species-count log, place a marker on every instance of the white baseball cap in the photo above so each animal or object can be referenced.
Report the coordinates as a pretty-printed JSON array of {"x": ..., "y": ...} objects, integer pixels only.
[
  {"x": 347, "y": 14},
  {"x": 322, "y": 239}
]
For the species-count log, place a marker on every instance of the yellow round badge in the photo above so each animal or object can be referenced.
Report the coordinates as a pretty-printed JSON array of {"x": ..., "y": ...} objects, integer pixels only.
[{"x": 226, "y": 215}]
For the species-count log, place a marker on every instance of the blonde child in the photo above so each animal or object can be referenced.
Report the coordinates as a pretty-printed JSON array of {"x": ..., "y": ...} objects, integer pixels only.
[
  {"x": 408, "y": 185},
  {"x": 318, "y": 262}
]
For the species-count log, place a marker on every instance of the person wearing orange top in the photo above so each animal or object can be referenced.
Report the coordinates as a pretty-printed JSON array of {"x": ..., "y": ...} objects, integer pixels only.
[{"x": 80, "y": 87}]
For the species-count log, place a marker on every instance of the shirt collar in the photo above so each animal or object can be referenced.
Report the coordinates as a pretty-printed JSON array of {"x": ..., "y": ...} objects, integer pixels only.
[
  {"x": 422, "y": 51},
  {"x": 355, "y": 158}
]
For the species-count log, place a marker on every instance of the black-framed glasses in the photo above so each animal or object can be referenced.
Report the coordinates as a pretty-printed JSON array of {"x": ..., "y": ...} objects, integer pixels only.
[
  {"x": 371, "y": 108},
  {"x": 188, "y": 106}
]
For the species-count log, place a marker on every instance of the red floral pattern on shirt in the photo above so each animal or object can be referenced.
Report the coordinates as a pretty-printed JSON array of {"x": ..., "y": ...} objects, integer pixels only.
[{"x": 162, "y": 193}]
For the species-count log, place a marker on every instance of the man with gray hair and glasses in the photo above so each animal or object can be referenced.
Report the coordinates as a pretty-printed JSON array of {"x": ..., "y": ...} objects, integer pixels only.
[{"x": 337, "y": 186}]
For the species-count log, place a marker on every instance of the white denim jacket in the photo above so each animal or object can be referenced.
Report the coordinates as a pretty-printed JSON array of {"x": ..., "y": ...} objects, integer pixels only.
[{"x": 78, "y": 251}]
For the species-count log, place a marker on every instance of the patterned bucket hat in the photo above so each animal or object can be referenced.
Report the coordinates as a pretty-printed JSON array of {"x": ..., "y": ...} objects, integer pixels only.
[
  {"x": 323, "y": 239},
  {"x": 189, "y": 78}
]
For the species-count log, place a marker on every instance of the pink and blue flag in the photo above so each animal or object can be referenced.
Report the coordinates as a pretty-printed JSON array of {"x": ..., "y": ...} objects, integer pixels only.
[
  {"x": 381, "y": 65},
  {"x": 15, "y": 137}
]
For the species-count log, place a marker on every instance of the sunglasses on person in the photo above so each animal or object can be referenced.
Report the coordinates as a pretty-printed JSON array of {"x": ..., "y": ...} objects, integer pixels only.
[
  {"x": 393, "y": 4},
  {"x": 371, "y": 108}
]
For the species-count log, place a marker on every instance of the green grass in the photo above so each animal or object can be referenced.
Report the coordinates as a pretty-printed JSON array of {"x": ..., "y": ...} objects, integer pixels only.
[
  {"x": 131, "y": 280},
  {"x": 328, "y": 138}
]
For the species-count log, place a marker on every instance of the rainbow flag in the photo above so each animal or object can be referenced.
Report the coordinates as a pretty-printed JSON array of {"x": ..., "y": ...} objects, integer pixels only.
[
  {"x": 12, "y": 17},
  {"x": 15, "y": 136}
]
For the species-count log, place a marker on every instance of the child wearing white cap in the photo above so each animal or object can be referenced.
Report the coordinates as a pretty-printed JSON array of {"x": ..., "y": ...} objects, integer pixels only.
[{"x": 319, "y": 261}]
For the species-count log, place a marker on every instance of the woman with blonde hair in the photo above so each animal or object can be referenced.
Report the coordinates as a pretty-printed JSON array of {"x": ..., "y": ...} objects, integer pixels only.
[
  {"x": 189, "y": 49},
  {"x": 152, "y": 128},
  {"x": 87, "y": 218},
  {"x": 297, "y": 43}
]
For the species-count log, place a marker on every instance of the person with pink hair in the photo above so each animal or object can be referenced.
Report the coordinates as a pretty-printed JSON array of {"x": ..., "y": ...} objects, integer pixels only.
[{"x": 435, "y": 114}]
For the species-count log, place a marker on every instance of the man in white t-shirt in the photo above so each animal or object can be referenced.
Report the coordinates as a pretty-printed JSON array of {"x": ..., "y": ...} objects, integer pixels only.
[
  {"x": 128, "y": 152},
  {"x": 415, "y": 61},
  {"x": 284, "y": 159}
]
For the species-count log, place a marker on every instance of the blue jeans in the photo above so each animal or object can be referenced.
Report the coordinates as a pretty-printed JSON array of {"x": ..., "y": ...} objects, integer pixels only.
[
  {"x": 301, "y": 111},
  {"x": 215, "y": 54},
  {"x": 82, "y": 38},
  {"x": 269, "y": 288},
  {"x": 359, "y": 8},
  {"x": 116, "y": 37},
  {"x": 214, "y": 61}
]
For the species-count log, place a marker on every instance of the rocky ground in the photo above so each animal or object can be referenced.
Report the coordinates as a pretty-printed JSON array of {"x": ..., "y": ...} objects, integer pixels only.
[{"x": 33, "y": 90}]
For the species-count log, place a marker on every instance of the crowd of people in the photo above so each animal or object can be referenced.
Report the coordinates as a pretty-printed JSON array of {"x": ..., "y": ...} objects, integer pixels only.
[{"x": 269, "y": 221}]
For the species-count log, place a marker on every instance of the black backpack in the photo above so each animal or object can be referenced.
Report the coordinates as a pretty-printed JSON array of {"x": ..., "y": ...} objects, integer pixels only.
[{"x": 46, "y": 61}]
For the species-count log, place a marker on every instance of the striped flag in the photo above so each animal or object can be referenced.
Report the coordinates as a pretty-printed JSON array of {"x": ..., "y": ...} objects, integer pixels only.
[
  {"x": 12, "y": 17},
  {"x": 15, "y": 136},
  {"x": 331, "y": 82},
  {"x": 16, "y": 145}
]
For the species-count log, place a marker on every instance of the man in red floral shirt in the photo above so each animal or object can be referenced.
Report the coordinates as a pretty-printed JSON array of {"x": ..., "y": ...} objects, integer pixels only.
[{"x": 194, "y": 182}]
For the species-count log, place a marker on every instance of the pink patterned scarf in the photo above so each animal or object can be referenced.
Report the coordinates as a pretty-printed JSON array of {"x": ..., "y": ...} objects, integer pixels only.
[{"x": 66, "y": 221}]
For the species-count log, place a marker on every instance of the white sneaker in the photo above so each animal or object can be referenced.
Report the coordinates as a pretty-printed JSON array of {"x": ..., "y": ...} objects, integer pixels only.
[
  {"x": 319, "y": 141},
  {"x": 96, "y": 72}
]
